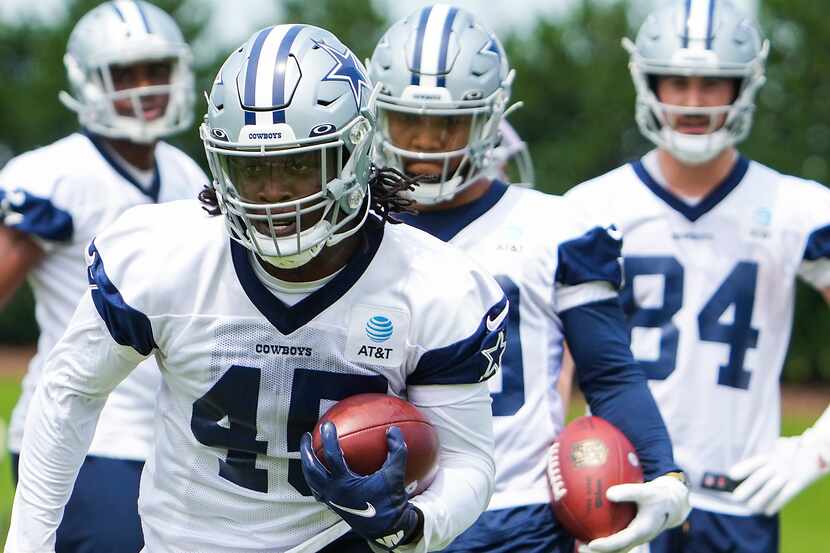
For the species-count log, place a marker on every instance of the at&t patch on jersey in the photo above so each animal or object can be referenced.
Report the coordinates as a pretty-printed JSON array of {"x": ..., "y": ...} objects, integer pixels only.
[{"x": 377, "y": 335}]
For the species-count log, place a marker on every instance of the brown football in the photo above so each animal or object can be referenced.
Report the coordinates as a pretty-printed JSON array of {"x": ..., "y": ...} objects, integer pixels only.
[
  {"x": 361, "y": 423},
  {"x": 587, "y": 458}
]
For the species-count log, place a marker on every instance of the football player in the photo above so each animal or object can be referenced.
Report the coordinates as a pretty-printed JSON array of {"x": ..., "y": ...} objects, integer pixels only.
[
  {"x": 713, "y": 245},
  {"x": 260, "y": 313},
  {"x": 445, "y": 83},
  {"x": 132, "y": 84}
]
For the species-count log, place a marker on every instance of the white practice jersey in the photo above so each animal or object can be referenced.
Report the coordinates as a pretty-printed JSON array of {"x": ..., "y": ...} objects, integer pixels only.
[
  {"x": 62, "y": 195},
  {"x": 244, "y": 375},
  {"x": 516, "y": 234},
  {"x": 709, "y": 300}
]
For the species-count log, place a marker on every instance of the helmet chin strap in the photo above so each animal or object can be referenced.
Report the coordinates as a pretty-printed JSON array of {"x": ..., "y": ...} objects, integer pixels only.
[
  {"x": 435, "y": 192},
  {"x": 294, "y": 261},
  {"x": 695, "y": 149}
]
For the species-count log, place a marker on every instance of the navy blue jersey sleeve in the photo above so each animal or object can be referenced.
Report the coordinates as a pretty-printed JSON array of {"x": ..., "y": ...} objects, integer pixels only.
[
  {"x": 614, "y": 384},
  {"x": 594, "y": 256},
  {"x": 127, "y": 326},
  {"x": 35, "y": 216},
  {"x": 473, "y": 359}
]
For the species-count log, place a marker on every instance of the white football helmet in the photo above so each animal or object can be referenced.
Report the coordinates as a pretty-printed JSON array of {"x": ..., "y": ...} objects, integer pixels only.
[
  {"x": 124, "y": 32},
  {"x": 293, "y": 96},
  {"x": 441, "y": 62},
  {"x": 709, "y": 38}
]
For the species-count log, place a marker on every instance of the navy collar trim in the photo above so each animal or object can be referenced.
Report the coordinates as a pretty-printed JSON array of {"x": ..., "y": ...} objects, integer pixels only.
[
  {"x": 118, "y": 167},
  {"x": 288, "y": 318},
  {"x": 694, "y": 212},
  {"x": 446, "y": 224}
]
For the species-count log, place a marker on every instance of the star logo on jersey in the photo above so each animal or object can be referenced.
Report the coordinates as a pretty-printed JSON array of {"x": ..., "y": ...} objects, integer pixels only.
[
  {"x": 493, "y": 356},
  {"x": 347, "y": 69}
]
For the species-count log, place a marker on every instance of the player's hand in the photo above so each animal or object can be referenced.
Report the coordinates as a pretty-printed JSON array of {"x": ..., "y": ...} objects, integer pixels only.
[
  {"x": 662, "y": 503},
  {"x": 376, "y": 506},
  {"x": 771, "y": 479}
]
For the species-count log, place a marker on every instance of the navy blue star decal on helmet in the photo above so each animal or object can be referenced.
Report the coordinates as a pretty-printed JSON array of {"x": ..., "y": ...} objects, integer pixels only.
[{"x": 348, "y": 69}]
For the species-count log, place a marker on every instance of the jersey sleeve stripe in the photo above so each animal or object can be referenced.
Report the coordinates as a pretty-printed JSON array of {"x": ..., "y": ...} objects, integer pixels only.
[
  {"x": 127, "y": 326},
  {"x": 818, "y": 244},
  {"x": 35, "y": 215},
  {"x": 594, "y": 256},
  {"x": 468, "y": 361}
]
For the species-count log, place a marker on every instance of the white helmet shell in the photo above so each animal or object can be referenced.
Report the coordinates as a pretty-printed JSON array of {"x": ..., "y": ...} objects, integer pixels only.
[{"x": 124, "y": 32}]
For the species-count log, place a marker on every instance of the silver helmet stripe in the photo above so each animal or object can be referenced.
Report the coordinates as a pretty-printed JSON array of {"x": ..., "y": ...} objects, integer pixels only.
[
  {"x": 132, "y": 15},
  {"x": 698, "y": 32}
]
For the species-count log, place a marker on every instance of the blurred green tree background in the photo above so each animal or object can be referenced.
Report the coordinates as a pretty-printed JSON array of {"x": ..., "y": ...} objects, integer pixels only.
[{"x": 571, "y": 74}]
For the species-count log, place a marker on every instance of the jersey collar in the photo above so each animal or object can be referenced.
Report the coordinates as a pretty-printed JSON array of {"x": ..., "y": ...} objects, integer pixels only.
[
  {"x": 118, "y": 167},
  {"x": 446, "y": 224},
  {"x": 288, "y": 318},
  {"x": 694, "y": 212}
]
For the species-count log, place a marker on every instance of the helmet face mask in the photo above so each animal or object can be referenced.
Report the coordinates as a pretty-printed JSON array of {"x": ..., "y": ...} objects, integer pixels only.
[
  {"x": 435, "y": 147},
  {"x": 677, "y": 40},
  {"x": 440, "y": 68},
  {"x": 286, "y": 197},
  {"x": 121, "y": 35}
]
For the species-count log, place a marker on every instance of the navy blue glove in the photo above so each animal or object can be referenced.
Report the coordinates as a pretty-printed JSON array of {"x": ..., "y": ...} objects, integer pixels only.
[{"x": 376, "y": 506}]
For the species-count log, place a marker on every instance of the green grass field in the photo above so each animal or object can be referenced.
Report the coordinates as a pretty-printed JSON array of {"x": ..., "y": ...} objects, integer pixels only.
[{"x": 804, "y": 522}]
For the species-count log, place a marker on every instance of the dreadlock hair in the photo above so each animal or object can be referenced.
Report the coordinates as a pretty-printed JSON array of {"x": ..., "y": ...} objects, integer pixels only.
[
  {"x": 210, "y": 202},
  {"x": 385, "y": 185}
]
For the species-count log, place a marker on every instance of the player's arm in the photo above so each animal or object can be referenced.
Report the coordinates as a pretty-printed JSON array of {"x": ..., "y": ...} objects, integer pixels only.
[
  {"x": 462, "y": 416},
  {"x": 771, "y": 479},
  {"x": 19, "y": 254},
  {"x": 448, "y": 386},
  {"x": 564, "y": 385},
  {"x": 79, "y": 374},
  {"x": 615, "y": 386}
]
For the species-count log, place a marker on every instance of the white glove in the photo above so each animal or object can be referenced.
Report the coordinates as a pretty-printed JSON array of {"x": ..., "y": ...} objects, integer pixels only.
[
  {"x": 662, "y": 503},
  {"x": 771, "y": 479}
]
